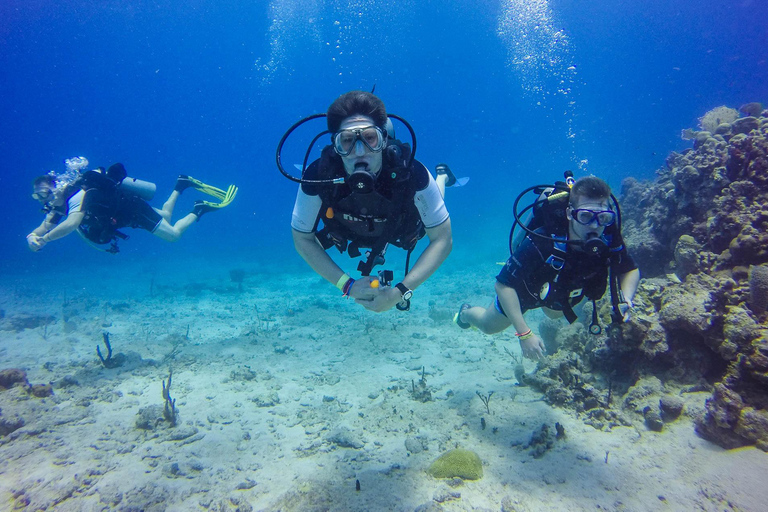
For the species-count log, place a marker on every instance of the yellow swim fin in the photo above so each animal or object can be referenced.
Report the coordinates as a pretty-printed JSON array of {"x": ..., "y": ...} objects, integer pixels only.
[
  {"x": 202, "y": 207},
  {"x": 184, "y": 182}
]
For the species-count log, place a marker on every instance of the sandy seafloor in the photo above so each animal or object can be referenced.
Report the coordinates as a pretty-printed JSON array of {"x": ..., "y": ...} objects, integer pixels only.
[{"x": 287, "y": 394}]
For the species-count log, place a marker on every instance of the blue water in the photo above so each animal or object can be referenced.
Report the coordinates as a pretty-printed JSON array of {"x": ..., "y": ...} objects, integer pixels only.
[{"x": 509, "y": 93}]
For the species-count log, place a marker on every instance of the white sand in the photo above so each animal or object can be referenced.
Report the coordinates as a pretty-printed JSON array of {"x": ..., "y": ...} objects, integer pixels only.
[{"x": 341, "y": 376}]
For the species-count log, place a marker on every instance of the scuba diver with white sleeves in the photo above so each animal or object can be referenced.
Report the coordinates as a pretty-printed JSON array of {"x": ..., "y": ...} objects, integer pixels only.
[
  {"x": 99, "y": 203},
  {"x": 368, "y": 191}
]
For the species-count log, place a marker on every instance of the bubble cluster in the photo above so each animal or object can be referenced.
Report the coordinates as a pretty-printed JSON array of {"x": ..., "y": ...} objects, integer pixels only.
[
  {"x": 539, "y": 53},
  {"x": 293, "y": 25},
  {"x": 347, "y": 35}
]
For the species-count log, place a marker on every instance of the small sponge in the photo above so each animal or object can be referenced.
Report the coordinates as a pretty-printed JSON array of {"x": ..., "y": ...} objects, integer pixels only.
[{"x": 457, "y": 463}]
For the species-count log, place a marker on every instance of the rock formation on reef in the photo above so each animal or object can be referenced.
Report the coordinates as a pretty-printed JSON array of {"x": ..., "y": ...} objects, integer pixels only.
[{"x": 699, "y": 233}]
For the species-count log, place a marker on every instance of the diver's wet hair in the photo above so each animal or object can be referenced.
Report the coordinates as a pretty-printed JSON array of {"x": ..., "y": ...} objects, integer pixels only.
[
  {"x": 356, "y": 102},
  {"x": 590, "y": 187},
  {"x": 45, "y": 178}
]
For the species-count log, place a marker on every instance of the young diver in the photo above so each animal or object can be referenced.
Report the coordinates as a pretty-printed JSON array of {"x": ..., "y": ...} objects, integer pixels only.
[
  {"x": 369, "y": 192},
  {"x": 558, "y": 265},
  {"x": 99, "y": 203}
]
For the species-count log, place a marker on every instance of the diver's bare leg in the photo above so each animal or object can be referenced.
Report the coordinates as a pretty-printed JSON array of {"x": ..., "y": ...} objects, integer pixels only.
[
  {"x": 169, "y": 205},
  {"x": 172, "y": 233},
  {"x": 441, "y": 179}
]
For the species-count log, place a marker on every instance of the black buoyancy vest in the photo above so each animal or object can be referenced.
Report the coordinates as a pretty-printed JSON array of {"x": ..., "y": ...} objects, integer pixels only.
[
  {"x": 387, "y": 214},
  {"x": 103, "y": 207},
  {"x": 555, "y": 255}
]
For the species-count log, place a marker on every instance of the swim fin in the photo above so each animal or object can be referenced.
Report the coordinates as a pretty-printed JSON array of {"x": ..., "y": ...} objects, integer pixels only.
[
  {"x": 452, "y": 180},
  {"x": 183, "y": 182},
  {"x": 202, "y": 207}
]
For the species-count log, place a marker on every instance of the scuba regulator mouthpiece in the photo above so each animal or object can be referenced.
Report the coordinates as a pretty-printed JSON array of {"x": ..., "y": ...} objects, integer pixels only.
[
  {"x": 595, "y": 246},
  {"x": 361, "y": 181}
]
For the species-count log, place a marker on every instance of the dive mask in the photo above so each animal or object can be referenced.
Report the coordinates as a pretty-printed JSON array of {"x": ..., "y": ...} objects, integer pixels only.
[
  {"x": 585, "y": 216},
  {"x": 344, "y": 141},
  {"x": 43, "y": 195}
]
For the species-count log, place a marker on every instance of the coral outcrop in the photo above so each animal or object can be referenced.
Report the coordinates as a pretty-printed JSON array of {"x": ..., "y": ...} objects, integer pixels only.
[
  {"x": 457, "y": 463},
  {"x": 699, "y": 232}
]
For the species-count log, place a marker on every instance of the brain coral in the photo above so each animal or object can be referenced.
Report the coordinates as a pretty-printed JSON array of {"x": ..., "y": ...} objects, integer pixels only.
[
  {"x": 715, "y": 117},
  {"x": 457, "y": 463}
]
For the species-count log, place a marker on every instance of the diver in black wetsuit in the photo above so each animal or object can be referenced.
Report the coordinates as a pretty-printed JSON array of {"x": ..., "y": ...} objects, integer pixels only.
[{"x": 557, "y": 271}]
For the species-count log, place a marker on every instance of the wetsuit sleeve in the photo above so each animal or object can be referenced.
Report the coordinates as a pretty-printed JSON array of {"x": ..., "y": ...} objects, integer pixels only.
[
  {"x": 308, "y": 202},
  {"x": 427, "y": 198},
  {"x": 75, "y": 203},
  {"x": 305, "y": 211},
  {"x": 625, "y": 262}
]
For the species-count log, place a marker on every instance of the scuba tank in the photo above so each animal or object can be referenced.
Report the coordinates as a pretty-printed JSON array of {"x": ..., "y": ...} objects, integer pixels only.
[
  {"x": 137, "y": 187},
  {"x": 133, "y": 186}
]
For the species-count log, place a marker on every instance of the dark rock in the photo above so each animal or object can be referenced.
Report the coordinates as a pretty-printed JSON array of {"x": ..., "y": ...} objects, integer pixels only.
[
  {"x": 722, "y": 415},
  {"x": 758, "y": 289},
  {"x": 415, "y": 445},
  {"x": 671, "y": 407},
  {"x": 686, "y": 256},
  {"x": 753, "y": 425},
  {"x": 66, "y": 381},
  {"x": 541, "y": 441},
  {"x": 751, "y": 109},
  {"x": 653, "y": 419},
  {"x": 150, "y": 417},
  {"x": 41, "y": 390},
  {"x": 745, "y": 125},
  {"x": 8, "y": 425},
  {"x": 11, "y": 377}
]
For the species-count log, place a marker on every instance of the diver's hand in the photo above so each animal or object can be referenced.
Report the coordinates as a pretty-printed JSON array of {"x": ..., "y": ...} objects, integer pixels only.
[
  {"x": 362, "y": 290},
  {"x": 533, "y": 347},
  {"x": 35, "y": 242},
  {"x": 626, "y": 308},
  {"x": 385, "y": 299}
]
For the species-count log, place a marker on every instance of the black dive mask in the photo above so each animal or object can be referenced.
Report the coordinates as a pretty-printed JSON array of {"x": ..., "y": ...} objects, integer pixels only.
[
  {"x": 362, "y": 180},
  {"x": 595, "y": 246}
]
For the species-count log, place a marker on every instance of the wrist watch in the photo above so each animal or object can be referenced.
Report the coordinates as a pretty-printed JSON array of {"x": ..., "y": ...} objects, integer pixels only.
[{"x": 404, "y": 291}]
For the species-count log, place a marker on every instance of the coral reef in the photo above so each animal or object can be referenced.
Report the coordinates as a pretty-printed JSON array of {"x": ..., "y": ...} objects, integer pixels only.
[
  {"x": 457, "y": 463},
  {"x": 699, "y": 232},
  {"x": 758, "y": 289},
  {"x": 13, "y": 376},
  {"x": 717, "y": 116}
]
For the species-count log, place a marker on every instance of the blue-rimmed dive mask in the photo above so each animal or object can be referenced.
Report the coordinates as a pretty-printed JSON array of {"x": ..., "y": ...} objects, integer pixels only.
[{"x": 586, "y": 216}]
